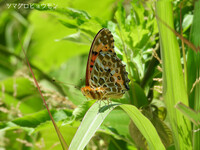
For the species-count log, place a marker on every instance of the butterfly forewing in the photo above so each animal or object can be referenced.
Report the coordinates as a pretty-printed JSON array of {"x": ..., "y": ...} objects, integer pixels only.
[{"x": 103, "y": 41}]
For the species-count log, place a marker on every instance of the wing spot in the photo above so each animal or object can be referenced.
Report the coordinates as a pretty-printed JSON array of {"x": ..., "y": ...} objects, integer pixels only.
[
  {"x": 104, "y": 62},
  {"x": 104, "y": 43},
  {"x": 101, "y": 69},
  {"x": 114, "y": 89},
  {"x": 114, "y": 59},
  {"x": 112, "y": 79},
  {"x": 119, "y": 90},
  {"x": 107, "y": 72},
  {"x": 109, "y": 89},
  {"x": 107, "y": 57},
  {"x": 95, "y": 72},
  {"x": 95, "y": 53},
  {"x": 101, "y": 38},
  {"x": 111, "y": 84},
  {"x": 95, "y": 79},
  {"x": 118, "y": 77},
  {"x": 117, "y": 84},
  {"x": 100, "y": 57},
  {"x": 97, "y": 67},
  {"x": 104, "y": 85},
  {"x": 101, "y": 81}
]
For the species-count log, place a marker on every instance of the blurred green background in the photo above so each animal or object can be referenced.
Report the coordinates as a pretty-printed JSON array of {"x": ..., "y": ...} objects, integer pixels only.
[{"x": 56, "y": 36}]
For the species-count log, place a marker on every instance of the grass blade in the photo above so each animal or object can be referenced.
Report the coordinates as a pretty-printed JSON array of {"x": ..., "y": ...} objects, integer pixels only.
[
  {"x": 90, "y": 123},
  {"x": 194, "y": 71},
  {"x": 145, "y": 127},
  {"x": 191, "y": 114},
  {"x": 174, "y": 89},
  {"x": 95, "y": 116}
]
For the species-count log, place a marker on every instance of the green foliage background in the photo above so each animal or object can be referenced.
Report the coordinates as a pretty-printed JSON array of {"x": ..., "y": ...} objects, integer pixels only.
[{"x": 57, "y": 40}]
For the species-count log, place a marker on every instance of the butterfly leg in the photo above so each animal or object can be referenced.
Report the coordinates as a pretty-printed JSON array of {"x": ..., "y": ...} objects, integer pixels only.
[{"x": 104, "y": 98}]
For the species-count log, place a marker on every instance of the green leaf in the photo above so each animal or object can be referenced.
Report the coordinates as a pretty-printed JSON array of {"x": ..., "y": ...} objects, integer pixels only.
[
  {"x": 194, "y": 71},
  {"x": 69, "y": 24},
  {"x": 120, "y": 15},
  {"x": 174, "y": 88},
  {"x": 45, "y": 52},
  {"x": 113, "y": 124},
  {"x": 90, "y": 123},
  {"x": 189, "y": 113},
  {"x": 144, "y": 126},
  {"x": 16, "y": 86},
  {"x": 140, "y": 98},
  {"x": 37, "y": 121},
  {"x": 187, "y": 22},
  {"x": 78, "y": 37},
  {"x": 163, "y": 131},
  {"x": 95, "y": 116}
]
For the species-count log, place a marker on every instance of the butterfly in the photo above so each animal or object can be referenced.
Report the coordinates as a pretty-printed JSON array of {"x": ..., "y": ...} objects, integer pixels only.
[{"x": 106, "y": 75}]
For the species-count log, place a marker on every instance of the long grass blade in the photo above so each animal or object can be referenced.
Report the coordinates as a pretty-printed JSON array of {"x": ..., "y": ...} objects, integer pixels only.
[
  {"x": 194, "y": 71},
  {"x": 174, "y": 89}
]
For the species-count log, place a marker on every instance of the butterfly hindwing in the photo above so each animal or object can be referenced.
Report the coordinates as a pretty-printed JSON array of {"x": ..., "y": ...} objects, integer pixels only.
[{"x": 109, "y": 73}]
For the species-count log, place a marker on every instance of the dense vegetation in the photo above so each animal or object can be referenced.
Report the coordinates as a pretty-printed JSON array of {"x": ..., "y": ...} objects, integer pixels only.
[{"x": 57, "y": 36}]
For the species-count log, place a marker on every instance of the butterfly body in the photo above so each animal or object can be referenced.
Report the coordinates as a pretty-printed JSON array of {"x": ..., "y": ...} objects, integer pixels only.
[{"x": 106, "y": 75}]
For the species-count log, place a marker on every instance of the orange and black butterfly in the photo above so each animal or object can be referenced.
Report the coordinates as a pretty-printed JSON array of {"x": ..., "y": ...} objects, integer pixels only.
[{"x": 106, "y": 75}]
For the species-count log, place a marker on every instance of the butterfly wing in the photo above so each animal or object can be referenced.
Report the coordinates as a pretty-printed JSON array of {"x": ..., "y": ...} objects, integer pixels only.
[
  {"x": 110, "y": 74},
  {"x": 103, "y": 41}
]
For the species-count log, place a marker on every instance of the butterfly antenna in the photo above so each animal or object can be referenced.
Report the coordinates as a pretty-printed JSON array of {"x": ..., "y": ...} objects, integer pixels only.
[{"x": 75, "y": 86}]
